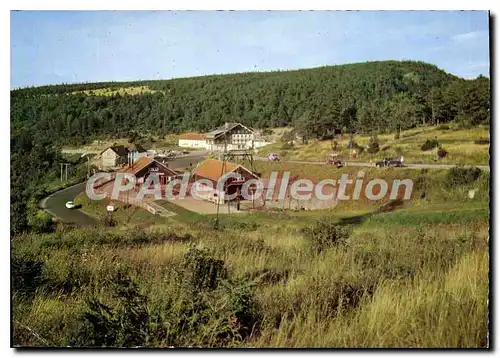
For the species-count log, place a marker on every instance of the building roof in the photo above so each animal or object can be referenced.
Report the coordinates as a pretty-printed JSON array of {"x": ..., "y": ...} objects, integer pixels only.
[
  {"x": 213, "y": 169},
  {"x": 142, "y": 163},
  {"x": 122, "y": 150},
  {"x": 224, "y": 129},
  {"x": 192, "y": 136},
  {"x": 118, "y": 149}
]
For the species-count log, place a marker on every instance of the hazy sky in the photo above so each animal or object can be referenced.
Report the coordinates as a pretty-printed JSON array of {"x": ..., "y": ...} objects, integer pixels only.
[{"x": 49, "y": 47}]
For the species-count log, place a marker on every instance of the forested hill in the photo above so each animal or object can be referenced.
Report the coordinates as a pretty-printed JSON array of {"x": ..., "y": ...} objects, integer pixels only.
[{"x": 364, "y": 97}]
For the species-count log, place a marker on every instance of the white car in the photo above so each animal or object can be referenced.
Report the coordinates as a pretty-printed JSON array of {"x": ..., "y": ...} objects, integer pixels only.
[
  {"x": 70, "y": 205},
  {"x": 272, "y": 157}
]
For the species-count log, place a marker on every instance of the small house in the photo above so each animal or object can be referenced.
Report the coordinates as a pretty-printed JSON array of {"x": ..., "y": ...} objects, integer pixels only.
[
  {"x": 145, "y": 166},
  {"x": 213, "y": 170},
  {"x": 114, "y": 156}
]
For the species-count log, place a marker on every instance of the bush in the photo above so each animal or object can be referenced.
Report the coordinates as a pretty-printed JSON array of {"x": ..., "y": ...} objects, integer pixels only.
[
  {"x": 441, "y": 153},
  {"x": 26, "y": 274},
  {"x": 430, "y": 144},
  {"x": 248, "y": 225},
  {"x": 42, "y": 222},
  {"x": 443, "y": 127},
  {"x": 201, "y": 270},
  {"x": 482, "y": 141},
  {"x": 397, "y": 135},
  {"x": 373, "y": 146},
  {"x": 287, "y": 145},
  {"x": 128, "y": 324},
  {"x": 109, "y": 221},
  {"x": 326, "y": 234},
  {"x": 351, "y": 144},
  {"x": 267, "y": 131},
  {"x": 460, "y": 176},
  {"x": 195, "y": 315}
]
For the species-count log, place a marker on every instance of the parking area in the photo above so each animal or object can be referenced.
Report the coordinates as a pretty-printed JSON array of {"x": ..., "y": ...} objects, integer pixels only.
[{"x": 207, "y": 207}]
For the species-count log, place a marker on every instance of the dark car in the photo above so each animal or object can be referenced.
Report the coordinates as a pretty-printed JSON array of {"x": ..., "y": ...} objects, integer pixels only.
[
  {"x": 335, "y": 159},
  {"x": 390, "y": 162}
]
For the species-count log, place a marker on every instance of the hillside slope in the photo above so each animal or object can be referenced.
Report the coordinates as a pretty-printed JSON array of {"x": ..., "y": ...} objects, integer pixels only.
[{"x": 349, "y": 96}]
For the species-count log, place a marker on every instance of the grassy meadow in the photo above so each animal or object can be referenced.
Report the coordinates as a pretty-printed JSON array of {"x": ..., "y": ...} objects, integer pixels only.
[
  {"x": 122, "y": 91},
  {"x": 413, "y": 274},
  {"x": 459, "y": 143}
]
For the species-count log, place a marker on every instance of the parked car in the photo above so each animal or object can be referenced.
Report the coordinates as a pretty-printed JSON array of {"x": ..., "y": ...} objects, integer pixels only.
[
  {"x": 390, "y": 162},
  {"x": 335, "y": 159},
  {"x": 273, "y": 157},
  {"x": 70, "y": 205}
]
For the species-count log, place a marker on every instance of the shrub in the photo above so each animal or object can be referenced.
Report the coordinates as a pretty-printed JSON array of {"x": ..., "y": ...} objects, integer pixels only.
[
  {"x": 441, "y": 153},
  {"x": 247, "y": 225},
  {"x": 460, "y": 176},
  {"x": 26, "y": 273},
  {"x": 443, "y": 127},
  {"x": 109, "y": 221},
  {"x": 421, "y": 184},
  {"x": 267, "y": 131},
  {"x": 430, "y": 144},
  {"x": 326, "y": 234},
  {"x": 42, "y": 222},
  {"x": 287, "y": 145},
  {"x": 373, "y": 146},
  {"x": 351, "y": 144},
  {"x": 482, "y": 141},
  {"x": 397, "y": 135},
  {"x": 196, "y": 315},
  {"x": 202, "y": 270},
  {"x": 129, "y": 323}
]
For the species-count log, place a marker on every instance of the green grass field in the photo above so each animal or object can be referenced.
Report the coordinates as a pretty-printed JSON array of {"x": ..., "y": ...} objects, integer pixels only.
[{"x": 459, "y": 143}]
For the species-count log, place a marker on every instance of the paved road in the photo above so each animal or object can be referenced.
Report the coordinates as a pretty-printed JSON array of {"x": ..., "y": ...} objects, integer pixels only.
[
  {"x": 366, "y": 164},
  {"x": 55, "y": 203},
  {"x": 187, "y": 160}
]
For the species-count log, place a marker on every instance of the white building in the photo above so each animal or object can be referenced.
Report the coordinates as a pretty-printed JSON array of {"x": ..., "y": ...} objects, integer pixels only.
[
  {"x": 256, "y": 143},
  {"x": 192, "y": 140},
  {"x": 230, "y": 136}
]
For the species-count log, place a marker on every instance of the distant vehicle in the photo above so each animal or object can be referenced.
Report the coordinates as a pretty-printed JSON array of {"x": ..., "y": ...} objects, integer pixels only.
[
  {"x": 273, "y": 157},
  {"x": 335, "y": 159},
  {"x": 70, "y": 205},
  {"x": 186, "y": 152},
  {"x": 170, "y": 154},
  {"x": 390, "y": 162}
]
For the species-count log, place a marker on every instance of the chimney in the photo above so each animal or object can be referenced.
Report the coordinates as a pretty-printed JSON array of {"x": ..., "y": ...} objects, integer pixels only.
[{"x": 226, "y": 125}]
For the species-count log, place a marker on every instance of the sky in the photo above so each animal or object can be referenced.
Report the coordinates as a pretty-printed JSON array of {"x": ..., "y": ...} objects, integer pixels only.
[{"x": 52, "y": 47}]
